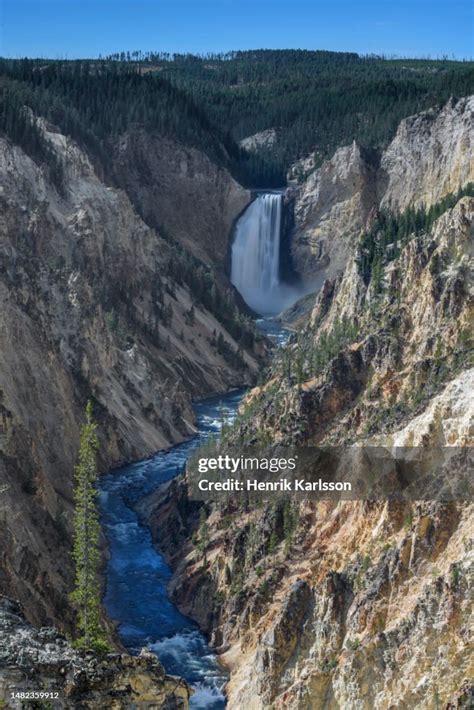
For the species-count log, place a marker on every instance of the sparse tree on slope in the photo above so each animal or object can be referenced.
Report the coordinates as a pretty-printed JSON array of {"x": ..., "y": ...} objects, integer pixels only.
[{"x": 86, "y": 594}]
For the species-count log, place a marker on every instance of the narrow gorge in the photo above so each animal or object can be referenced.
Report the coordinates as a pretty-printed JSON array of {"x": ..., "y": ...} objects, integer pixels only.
[
  {"x": 145, "y": 270},
  {"x": 315, "y": 605},
  {"x": 137, "y": 577}
]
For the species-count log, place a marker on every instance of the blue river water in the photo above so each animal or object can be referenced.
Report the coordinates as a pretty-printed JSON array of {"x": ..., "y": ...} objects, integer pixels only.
[{"x": 137, "y": 576}]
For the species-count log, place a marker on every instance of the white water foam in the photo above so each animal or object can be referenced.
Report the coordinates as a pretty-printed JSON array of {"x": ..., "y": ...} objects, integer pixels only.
[{"x": 256, "y": 257}]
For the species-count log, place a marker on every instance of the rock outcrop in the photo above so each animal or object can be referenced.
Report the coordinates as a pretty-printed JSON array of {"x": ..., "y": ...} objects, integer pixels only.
[
  {"x": 180, "y": 191},
  {"x": 263, "y": 139},
  {"x": 352, "y": 604},
  {"x": 430, "y": 157},
  {"x": 331, "y": 207},
  {"x": 41, "y": 665}
]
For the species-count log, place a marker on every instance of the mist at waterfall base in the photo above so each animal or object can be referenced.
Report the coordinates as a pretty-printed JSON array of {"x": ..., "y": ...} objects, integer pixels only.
[
  {"x": 137, "y": 576},
  {"x": 255, "y": 269}
]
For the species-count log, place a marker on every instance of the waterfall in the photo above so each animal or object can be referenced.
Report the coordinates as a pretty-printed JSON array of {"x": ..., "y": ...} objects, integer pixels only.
[
  {"x": 256, "y": 258},
  {"x": 256, "y": 255}
]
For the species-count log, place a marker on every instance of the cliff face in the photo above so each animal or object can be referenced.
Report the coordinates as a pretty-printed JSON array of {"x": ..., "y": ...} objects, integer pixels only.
[
  {"x": 429, "y": 157},
  {"x": 417, "y": 330},
  {"x": 349, "y": 604},
  {"x": 95, "y": 304},
  {"x": 35, "y": 661},
  {"x": 331, "y": 207},
  {"x": 181, "y": 191}
]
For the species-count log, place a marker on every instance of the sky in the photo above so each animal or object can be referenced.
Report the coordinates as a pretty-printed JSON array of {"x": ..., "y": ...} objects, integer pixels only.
[{"x": 87, "y": 28}]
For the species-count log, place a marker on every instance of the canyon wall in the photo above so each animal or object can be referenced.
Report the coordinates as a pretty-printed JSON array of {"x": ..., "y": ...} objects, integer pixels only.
[
  {"x": 430, "y": 156},
  {"x": 318, "y": 605},
  {"x": 97, "y": 304},
  {"x": 350, "y": 604},
  {"x": 180, "y": 191}
]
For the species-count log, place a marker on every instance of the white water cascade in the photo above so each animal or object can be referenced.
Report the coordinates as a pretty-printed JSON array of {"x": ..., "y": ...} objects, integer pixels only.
[{"x": 256, "y": 257}]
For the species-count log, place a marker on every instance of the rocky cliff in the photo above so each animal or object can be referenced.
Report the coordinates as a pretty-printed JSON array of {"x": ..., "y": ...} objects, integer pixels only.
[
  {"x": 429, "y": 157},
  {"x": 352, "y": 604},
  {"x": 41, "y": 665},
  {"x": 330, "y": 208},
  {"x": 181, "y": 191},
  {"x": 314, "y": 604},
  {"x": 97, "y": 304}
]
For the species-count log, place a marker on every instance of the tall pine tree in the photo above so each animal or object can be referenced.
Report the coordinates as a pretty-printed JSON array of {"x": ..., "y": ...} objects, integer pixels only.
[{"x": 86, "y": 594}]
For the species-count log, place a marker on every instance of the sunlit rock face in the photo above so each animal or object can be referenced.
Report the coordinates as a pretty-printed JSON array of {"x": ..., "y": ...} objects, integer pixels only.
[
  {"x": 369, "y": 604},
  {"x": 429, "y": 157}
]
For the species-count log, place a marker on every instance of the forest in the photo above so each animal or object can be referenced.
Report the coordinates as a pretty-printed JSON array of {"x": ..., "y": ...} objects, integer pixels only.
[{"x": 315, "y": 101}]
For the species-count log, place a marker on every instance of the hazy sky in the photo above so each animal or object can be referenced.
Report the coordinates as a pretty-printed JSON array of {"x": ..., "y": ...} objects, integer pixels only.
[{"x": 80, "y": 28}]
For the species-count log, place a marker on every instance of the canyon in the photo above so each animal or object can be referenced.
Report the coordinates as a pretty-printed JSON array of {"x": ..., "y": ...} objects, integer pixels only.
[
  {"x": 117, "y": 289},
  {"x": 97, "y": 305},
  {"x": 352, "y": 604}
]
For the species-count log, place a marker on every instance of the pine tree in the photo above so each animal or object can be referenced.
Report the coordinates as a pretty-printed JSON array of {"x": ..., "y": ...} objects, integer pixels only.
[
  {"x": 86, "y": 595},
  {"x": 204, "y": 537}
]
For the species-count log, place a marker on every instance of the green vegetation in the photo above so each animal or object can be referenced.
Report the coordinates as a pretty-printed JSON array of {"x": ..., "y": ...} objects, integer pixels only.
[
  {"x": 17, "y": 123},
  {"x": 305, "y": 359},
  {"x": 202, "y": 538},
  {"x": 455, "y": 574},
  {"x": 315, "y": 100},
  {"x": 329, "y": 665},
  {"x": 96, "y": 102},
  {"x": 389, "y": 233},
  {"x": 353, "y": 644},
  {"x": 290, "y": 521},
  {"x": 86, "y": 594}
]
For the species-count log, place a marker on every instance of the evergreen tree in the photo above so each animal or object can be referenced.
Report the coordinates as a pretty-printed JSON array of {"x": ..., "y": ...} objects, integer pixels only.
[
  {"x": 204, "y": 537},
  {"x": 316, "y": 100},
  {"x": 86, "y": 594}
]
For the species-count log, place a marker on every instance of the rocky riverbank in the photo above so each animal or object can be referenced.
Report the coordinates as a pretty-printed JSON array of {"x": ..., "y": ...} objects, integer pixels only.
[
  {"x": 41, "y": 664},
  {"x": 317, "y": 605}
]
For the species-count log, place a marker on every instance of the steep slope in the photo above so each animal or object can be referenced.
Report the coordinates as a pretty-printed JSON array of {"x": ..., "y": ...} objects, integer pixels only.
[
  {"x": 180, "y": 191},
  {"x": 391, "y": 343},
  {"x": 95, "y": 304},
  {"x": 349, "y": 604},
  {"x": 331, "y": 207},
  {"x": 429, "y": 158}
]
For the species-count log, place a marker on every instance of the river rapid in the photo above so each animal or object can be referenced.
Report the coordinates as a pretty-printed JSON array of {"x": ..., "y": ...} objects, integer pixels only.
[{"x": 137, "y": 575}]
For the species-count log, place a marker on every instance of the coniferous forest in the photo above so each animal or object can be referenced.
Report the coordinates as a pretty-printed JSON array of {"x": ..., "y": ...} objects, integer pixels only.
[
  {"x": 314, "y": 100},
  {"x": 159, "y": 321}
]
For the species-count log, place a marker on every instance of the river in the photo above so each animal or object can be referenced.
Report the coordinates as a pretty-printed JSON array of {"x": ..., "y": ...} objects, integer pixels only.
[{"x": 137, "y": 576}]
